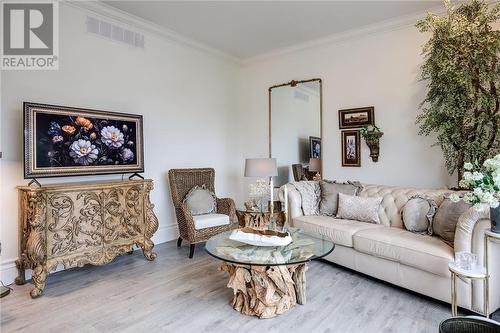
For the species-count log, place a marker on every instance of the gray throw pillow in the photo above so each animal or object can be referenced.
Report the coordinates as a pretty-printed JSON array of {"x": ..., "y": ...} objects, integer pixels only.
[
  {"x": 418, "y": 214},
  {"x": 446, "y": 218},
  {"x": 200, "y": 200},
  {"x": 330, "y": 195}
]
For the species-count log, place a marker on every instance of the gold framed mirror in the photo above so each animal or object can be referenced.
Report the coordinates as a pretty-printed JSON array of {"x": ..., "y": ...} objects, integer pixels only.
[{"x": 295, "y": 129}]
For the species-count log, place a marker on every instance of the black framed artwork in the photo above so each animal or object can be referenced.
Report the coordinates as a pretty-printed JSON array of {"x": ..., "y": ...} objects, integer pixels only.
[
  {"x": 351, "y": 155},
  {"x": 356, "y": 118},
  {"x": 314, "y": 147},
  {"x": 70, "y": 141}
]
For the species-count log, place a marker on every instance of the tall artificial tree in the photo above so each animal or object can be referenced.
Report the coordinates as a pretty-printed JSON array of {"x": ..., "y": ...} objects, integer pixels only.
[{"x": 462, "y": 70}]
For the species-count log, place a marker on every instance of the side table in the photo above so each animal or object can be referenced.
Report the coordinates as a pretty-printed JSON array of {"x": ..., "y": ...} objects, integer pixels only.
[
  {"x": 477, "y": 273},
  {"x": 258, "y": 219}
]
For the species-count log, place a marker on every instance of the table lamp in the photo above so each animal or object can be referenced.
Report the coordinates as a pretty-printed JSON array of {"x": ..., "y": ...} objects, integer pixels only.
[
  {"x": 262, "y": 168},
  {"x": 315, "y": 166}
]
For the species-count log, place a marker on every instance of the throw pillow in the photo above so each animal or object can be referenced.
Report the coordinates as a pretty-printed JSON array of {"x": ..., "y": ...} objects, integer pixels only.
[
  {"x": 310, "y": 195},
  {"x": 358, "y": 208},
  {"x": 445, "y": 221},
  {"x": 200, "y": 200},
  {"x": 418, "y": 213},
  {"x": 330, "y": 195}
]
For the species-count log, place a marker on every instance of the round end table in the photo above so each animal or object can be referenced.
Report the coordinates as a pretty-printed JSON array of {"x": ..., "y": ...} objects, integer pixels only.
[{"x": 476, "y": 273}]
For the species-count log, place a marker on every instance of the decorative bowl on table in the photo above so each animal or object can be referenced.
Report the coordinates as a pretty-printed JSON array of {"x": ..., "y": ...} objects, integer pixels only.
[{"x": 261, "y": 237}]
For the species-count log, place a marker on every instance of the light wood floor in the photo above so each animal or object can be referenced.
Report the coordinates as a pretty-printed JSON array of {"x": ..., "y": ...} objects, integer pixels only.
[{"x": 174, "y": 294}]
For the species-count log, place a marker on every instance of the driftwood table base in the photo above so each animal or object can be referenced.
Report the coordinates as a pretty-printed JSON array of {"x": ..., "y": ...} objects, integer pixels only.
[{"x": 266, "y": 291}]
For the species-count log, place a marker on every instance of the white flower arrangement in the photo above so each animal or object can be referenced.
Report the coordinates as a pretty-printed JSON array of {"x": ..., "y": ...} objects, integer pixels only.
[{"x": 484, "y": 181}]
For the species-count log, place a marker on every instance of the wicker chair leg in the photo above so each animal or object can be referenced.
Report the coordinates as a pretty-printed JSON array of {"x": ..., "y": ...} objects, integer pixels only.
[
  {"x": 191, "y": 251},
  {"x": 179, "y": 242}
]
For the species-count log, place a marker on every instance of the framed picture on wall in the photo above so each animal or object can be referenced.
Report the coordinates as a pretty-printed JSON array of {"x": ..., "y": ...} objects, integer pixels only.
[
  {"x": 356, "y": 118},
  {"x": 314, "y": 147},
  {"x": 351, "y": 156}
]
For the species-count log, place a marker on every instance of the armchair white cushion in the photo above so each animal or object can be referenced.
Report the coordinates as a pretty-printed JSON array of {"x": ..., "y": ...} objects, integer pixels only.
[{"x": 210, "y": 220}]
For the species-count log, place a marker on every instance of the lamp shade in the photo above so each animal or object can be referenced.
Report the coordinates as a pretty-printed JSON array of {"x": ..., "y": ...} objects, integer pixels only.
[
  {"x": 315, "y": 165},
  {"x": 260, "y": 167}
]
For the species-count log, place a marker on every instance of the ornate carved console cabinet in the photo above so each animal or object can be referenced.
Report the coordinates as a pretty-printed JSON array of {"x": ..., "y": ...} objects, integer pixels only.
[{"x": 78, "y": 224}]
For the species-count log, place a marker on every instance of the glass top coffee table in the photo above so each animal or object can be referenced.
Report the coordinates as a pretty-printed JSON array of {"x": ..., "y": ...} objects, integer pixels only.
[{"x": 268, "y": 281}]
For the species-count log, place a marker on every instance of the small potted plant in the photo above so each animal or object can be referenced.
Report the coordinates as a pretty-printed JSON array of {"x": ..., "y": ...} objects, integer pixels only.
[
  {"x": 484, "y": 182},
  {"x": 372, "y": 135}
]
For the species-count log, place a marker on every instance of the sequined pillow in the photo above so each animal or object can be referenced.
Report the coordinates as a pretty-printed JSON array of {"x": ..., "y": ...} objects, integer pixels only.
[{"x": 359, "y": 209}]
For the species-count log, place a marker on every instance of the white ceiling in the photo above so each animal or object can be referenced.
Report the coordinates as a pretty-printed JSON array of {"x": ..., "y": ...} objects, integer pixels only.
[{"x": 246, "y": 29}]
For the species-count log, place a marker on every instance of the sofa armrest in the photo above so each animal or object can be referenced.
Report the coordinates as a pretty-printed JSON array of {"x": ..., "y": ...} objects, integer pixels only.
[
  {"x": 470, "y": 229},
  {"x": 469, "y": 237},
  {"x": 294, "y": 201}
]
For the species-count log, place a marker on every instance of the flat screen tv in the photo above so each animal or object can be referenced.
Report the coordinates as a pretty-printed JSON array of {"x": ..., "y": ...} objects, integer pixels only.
[{"x": 69, "y": 141}]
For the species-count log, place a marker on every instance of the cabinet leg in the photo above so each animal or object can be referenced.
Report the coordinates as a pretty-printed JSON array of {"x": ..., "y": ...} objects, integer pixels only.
[
  {"x": 39, "y": 275},
  {"x": 147, "y": 249},
  {"x": 21, "y": 273}
]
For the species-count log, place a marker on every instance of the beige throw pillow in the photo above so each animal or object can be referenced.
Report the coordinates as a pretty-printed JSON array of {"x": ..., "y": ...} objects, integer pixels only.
[
  {"x": 200, "y": 200},
  {"x": 418, "y": 213},
  {"x": 446, "y": 218},
  {"x": 330, "y": 195},
  {"x": 358, "y": 208}
]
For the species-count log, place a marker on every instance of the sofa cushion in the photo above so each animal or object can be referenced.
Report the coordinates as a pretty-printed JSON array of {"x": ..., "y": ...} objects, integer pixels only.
[
  {"x": 359, "y": 209},
  {"x": 210, "y": 220},
  {"x": 310, "y": 193},
  {"x": 330, "y": 195},
  {"x": 446, "y": 218},
  {"x": 418, "y": 214},
  {"x": 338, "y": 230},
  {"x": 424, "y": 252}
]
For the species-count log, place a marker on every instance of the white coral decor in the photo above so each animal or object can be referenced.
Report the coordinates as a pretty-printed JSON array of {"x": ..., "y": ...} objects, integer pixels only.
[{"x": 483, "y": 181}]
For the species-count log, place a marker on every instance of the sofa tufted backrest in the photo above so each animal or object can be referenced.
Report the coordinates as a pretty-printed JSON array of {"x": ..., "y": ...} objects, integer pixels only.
[{"x": 394, "y": 199}]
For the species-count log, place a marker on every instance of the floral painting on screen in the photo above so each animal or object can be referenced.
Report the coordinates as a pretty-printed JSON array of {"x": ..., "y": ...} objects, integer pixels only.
[{"x": 64, "y": 140}]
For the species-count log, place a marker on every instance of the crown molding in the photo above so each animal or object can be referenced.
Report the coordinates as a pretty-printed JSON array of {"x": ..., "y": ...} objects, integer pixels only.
[
  {"x": 393, "y": 24},
  {"x": 119, "y": 16}
]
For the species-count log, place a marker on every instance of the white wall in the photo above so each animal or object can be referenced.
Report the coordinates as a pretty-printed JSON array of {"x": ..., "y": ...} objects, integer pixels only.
[
  {"x": 187, "y": 98},
  {"x": 380, "y": 69}
]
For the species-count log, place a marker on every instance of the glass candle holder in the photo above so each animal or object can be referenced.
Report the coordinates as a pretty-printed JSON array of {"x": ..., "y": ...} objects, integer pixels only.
[{"x": 465, "y": 260}]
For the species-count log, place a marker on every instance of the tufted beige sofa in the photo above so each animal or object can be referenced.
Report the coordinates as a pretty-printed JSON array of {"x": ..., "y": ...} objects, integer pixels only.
[{"x": 388, "y": 252}]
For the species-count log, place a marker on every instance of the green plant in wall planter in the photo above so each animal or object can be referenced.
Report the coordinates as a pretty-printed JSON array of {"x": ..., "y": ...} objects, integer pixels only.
[
  {"x": 372, "y": 135},
  {"x": 462, "y": 70}
]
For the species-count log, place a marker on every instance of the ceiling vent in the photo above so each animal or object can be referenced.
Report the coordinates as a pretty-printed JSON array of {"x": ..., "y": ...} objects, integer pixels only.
[{"x": 114, "y": 32}]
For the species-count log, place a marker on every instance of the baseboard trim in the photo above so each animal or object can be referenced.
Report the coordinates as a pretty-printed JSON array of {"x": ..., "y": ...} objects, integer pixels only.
[{"x": 8, "y": 270}]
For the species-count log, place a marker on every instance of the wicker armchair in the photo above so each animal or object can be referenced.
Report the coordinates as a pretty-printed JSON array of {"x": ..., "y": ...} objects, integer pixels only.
[{"x": 181, "y": 181}]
